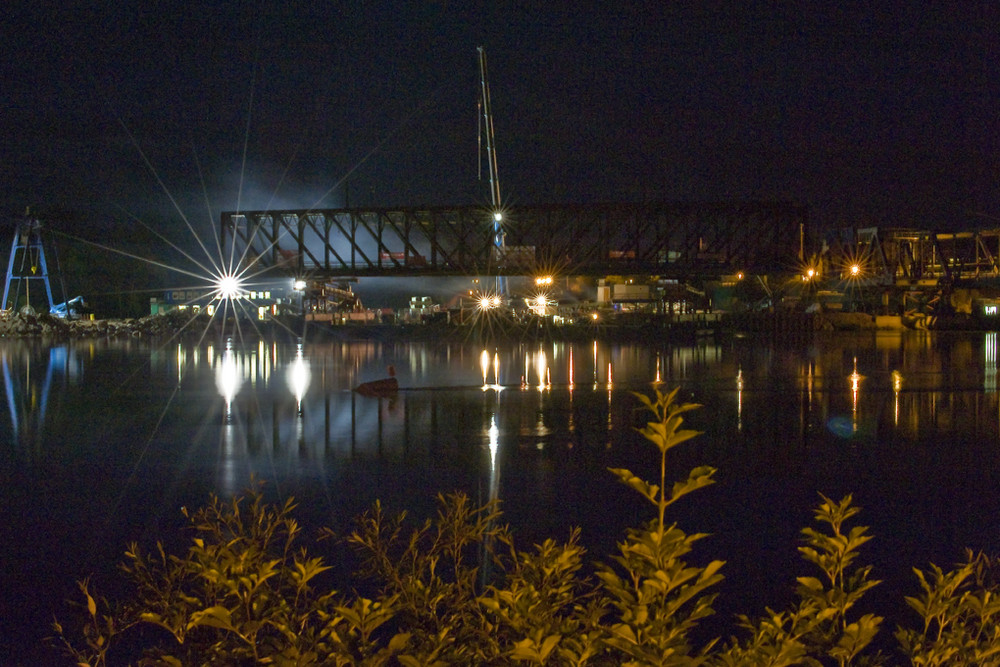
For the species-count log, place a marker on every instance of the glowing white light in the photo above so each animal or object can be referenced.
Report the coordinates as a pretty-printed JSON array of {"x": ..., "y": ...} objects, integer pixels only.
[
  {"x": 489, "y": 301},
  {"x": 897, "y": 381},
  {"x": 228, "y": 378},
  {"x": 229, "y": 286},
  {"x": 538, "y": 304},
  {"x": 299, "y": 376},
  {"x": 541, "y": 367},
  {"x": 493, "y": 433},
  {"x": 484, "y": 364},
  {"x": 299, "y": 285},
  {"x": 490, "y": 365},
  {"x": 855, "y": 379},
  {"x": 497, "y": 216}
]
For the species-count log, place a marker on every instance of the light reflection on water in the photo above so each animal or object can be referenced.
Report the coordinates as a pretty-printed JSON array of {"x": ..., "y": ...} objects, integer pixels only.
[
  {"x": 902, "y": 387},
  {"x": 918, "y": 374},
  {"x": 908, "y": 421}
]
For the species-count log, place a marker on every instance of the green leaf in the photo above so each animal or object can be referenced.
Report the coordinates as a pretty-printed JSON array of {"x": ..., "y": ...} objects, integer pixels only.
[
  {"x": 213, "y": 617},
  {"x": 810, "y": 583},
  {"x": 683, "y": 436},
  {"x": 645, "y": 400},
  {"x": 549, "y": 644},
  {"x": 628, "y": 478},
  {"x": 525, "y": 650},
  {"x": 399, "y": 641}
]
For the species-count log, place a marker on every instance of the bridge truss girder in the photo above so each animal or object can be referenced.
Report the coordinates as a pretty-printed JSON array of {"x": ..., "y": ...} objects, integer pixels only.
[
  {"x": 669, "y": 239},
  {"x": 906, "y": 256}
]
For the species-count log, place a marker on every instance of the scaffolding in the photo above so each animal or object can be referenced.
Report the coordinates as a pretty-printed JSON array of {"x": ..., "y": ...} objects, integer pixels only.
[{"x": 26, "y": 268}]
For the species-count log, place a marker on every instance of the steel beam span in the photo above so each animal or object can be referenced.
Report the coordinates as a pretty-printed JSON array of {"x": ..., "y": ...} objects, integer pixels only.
[
  {"x": 669, "y": 239},
  {"x": 910, "y": 257}
]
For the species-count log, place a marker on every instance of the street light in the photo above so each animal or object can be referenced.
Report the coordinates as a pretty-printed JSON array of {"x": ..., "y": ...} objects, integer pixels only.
[
  {"x": 299, "y": 287},
  {"x": 489, "y": 301}
]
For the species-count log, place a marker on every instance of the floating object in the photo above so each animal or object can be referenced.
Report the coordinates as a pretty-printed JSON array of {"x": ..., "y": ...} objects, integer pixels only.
[{"x": 380, "y": 388}]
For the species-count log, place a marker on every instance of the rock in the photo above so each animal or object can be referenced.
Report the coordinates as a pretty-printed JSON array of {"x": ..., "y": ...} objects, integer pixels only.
[{"x": 27, "y": 324}]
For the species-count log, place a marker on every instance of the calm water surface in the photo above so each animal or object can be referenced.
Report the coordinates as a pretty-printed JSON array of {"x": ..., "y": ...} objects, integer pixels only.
[{"x": 101, "y": 443}]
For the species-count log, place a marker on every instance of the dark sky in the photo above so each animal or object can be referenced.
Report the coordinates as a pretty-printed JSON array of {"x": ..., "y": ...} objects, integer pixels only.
[{"x": 870, "y": 112}]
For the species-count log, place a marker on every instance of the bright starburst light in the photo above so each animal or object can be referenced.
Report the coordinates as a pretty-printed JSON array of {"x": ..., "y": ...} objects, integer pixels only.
[
  {"x": 222, "y": 285},
  {"x": 489, "y": 301},
  {"x": 229, "y": 287}
]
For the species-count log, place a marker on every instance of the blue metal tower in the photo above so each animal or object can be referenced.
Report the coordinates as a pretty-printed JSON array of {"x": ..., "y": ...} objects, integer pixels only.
[{"x": 27, "y": 266}]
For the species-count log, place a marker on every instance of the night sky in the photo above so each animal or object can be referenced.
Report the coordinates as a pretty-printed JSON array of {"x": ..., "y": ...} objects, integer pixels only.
[{"x": 880, "y": 113}]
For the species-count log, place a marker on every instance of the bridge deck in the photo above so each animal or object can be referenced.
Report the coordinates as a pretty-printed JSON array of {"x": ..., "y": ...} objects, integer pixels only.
[{"x": 670, "y": 239}]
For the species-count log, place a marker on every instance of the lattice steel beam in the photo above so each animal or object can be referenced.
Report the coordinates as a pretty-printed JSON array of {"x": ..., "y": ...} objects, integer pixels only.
[{"x": 671, "y": 239}]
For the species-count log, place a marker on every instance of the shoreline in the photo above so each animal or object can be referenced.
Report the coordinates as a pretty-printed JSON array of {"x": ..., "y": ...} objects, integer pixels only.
[{"x": 179, "y": 324}]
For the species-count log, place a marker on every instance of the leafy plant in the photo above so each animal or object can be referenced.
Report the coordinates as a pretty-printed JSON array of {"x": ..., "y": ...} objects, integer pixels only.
[
  {"x": 242, "y": 593},
  {"x": 454, "y": 589},
  {"x": 431, "y": 574},
  {"x": 657, "y": 597},
  {"x": 818, "y": 630},
  {"x": 960, "y": 610}
]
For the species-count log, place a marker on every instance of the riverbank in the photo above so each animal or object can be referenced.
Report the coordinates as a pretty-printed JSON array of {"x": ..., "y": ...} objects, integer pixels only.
[
  {"x": 21, "y": 325},
  {"x": 180, "y": 324}
]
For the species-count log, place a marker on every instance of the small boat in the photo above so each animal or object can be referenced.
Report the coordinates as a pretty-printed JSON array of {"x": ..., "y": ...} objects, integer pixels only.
[{"x": 380, "y": 388}]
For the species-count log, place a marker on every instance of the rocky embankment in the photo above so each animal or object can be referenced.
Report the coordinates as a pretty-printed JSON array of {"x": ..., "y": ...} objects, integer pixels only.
[{"x": 24, "y": 325}]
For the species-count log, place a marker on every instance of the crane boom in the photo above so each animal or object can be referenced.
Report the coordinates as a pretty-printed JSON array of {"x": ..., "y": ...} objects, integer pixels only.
[
  {"x": 491, "y": 159},
  {"x": 491, "y": 152}
]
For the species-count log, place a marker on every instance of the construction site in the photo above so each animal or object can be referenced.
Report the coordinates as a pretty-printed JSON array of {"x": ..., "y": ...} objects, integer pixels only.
[{"x": 679, "y": 263}]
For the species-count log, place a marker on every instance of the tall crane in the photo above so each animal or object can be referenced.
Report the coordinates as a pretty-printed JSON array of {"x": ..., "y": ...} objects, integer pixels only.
[{"x": 491, "y": 159}]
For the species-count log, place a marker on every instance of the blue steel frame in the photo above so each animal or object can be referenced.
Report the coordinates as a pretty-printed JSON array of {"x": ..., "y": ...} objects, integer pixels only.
[{"x": 27, "y": 238}]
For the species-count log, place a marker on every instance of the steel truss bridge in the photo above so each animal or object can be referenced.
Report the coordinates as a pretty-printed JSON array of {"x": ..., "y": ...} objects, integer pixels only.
[
  {"x": 684, "y": 241},
  {"x": 909, "y": 258}
]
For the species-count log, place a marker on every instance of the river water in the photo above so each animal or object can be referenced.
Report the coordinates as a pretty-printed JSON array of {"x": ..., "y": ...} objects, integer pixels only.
[{"x": 102, "y": 443}]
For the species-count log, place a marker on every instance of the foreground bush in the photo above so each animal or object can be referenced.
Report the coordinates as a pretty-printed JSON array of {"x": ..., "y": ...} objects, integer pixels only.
[{"x": 454, "y": 590}]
